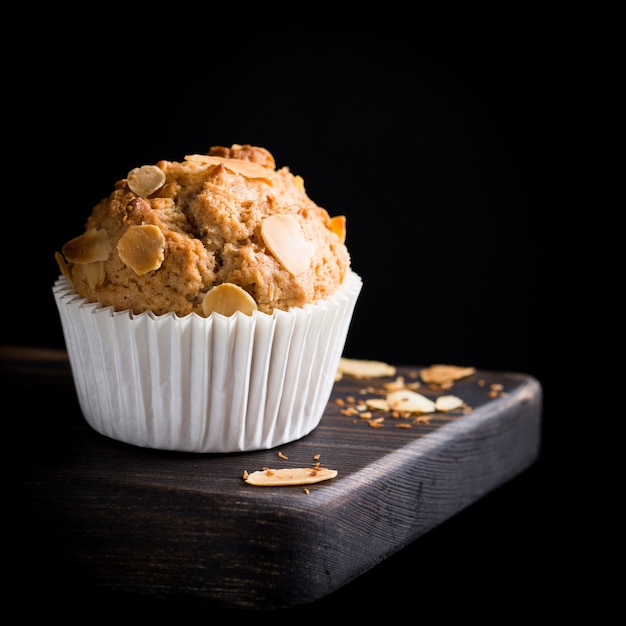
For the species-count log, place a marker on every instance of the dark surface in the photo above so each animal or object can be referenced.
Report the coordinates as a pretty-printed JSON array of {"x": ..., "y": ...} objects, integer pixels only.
[
  {"x": 433, "y": 136},
  {"x": 112, "y": 518}
]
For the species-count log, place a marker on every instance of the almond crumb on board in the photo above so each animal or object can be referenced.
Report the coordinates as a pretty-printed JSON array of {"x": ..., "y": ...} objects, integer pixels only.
[
  {"x": 399, "y": 396},
  {"x": 445, "y": 375},
  {"x": 359, "y": 368},
  {"x": 289, "y": 476},
  {"x": 448, "y": 403}
]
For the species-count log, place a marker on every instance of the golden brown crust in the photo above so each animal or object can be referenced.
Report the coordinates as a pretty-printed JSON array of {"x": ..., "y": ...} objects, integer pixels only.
[{"x": 210, "y": 212}]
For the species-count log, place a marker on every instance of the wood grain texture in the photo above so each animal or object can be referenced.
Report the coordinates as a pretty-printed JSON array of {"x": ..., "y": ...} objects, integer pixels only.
[{"x": 165, "y": 524}]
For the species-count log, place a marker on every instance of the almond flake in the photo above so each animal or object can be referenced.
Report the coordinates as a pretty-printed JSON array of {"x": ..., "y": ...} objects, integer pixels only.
[
  {"x": 442, "y": 374},
  {"x": 360, "y": 368},
  {"x": 248, "y": 169},
  {"x": 142, "y": 248},
  {"x": 63, "y": 266},
  {"x": 338, "y": 226},
  {"x": 92, "y": 245},
  {"x": 285, "y": 477},
  {"x": 448, "y": 403},
  {"x": 410, "y": 401},
  {"x": 285, "y": 239},
  {"x": 145, "y": 180},
  {"x": 226, "y": 299},
  {"x": 378, "y": 404},
  {"x": 94, "y": 272}
]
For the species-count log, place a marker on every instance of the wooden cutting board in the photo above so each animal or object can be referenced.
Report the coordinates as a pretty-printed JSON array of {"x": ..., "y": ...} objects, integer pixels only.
[{"x": 166, "y": 524}]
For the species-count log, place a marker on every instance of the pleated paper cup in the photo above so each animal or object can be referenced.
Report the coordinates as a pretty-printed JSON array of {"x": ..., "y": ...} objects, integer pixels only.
[{"x": 195, "y": 384}]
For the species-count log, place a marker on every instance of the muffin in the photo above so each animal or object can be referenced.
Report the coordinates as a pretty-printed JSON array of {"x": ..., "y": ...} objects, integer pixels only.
[{"x": 206, "y": 305}]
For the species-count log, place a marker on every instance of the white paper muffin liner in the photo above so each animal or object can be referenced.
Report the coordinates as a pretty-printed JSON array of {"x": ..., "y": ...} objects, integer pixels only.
[{"x": 195, "y": 384}]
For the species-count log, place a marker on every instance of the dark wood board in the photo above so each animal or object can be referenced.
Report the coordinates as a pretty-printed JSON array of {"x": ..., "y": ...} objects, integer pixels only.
[{"x": 165, "y": 524}]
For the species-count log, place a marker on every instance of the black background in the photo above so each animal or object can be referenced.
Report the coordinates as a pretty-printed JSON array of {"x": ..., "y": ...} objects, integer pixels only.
[{"x": 434, "y": 139}]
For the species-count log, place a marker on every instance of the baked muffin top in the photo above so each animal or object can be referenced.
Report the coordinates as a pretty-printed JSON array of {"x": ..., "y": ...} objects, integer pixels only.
[{"x": 169, "y": 234}]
